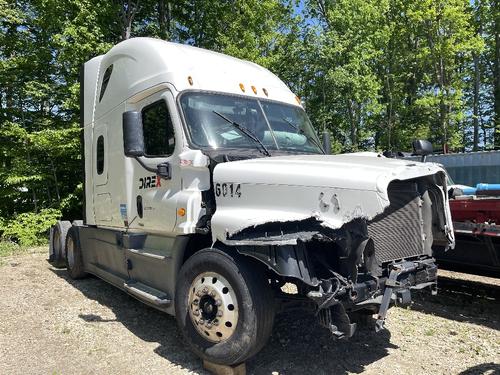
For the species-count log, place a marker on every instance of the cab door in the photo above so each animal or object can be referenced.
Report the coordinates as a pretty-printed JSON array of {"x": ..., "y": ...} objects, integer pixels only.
[
  {"x": 103, "y": 206},
  {"x": 154, "y": 199}
]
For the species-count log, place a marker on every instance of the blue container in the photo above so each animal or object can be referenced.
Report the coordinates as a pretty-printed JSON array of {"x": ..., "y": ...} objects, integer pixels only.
[
  {"x": 487, "y": 187},
  {"x": 469, "y": 191}
]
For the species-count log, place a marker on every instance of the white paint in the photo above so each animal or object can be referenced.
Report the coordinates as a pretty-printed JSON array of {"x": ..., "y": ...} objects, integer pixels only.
[
  {"x": 335, "y": 189},
  {"x": 146, "y": 70}
]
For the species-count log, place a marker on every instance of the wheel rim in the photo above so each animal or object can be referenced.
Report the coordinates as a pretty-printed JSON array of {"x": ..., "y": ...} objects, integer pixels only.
[
  {"x": 70, "y": 248},
  {"x": 213, "y": 307}
]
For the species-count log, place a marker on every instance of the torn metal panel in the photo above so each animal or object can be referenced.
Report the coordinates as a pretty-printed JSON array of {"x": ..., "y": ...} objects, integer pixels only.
[
  {"x": 286, "y": 261},
  {"x": 331, "y": 189}
]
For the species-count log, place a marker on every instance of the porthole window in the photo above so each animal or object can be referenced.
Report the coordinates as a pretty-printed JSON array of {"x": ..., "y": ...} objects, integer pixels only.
[{"x": 100, "y": 155}]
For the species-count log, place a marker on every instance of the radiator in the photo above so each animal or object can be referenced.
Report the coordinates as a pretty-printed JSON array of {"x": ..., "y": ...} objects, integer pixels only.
[{"x": 398, "y": 232}]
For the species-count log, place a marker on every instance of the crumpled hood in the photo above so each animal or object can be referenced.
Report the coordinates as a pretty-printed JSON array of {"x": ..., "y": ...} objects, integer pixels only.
[
  {"x": 359, "y": 171},
  {"x": 334, "y": 189}
]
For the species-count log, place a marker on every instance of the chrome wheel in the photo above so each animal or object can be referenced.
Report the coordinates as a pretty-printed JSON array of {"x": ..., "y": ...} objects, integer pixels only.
[
  {"x": 70, "y": 252},
  {"x": 213, "y": 307}
]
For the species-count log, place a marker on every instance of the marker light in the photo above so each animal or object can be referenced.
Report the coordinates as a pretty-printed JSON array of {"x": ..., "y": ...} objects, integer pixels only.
[
  {"x": 254, "y": 89},
  {"x": 190, "y": 80},
  {"x": 265, "y": 92},
  {"x": 181, "y": 212},
  {"x": 298, "y": 99},
  {"x": 242, "y": 87}
]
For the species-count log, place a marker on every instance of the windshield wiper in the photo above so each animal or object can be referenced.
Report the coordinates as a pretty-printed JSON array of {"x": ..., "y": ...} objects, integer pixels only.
[
  {"x": 245, "y": 131},
  {"x": 308, "y": 137}
]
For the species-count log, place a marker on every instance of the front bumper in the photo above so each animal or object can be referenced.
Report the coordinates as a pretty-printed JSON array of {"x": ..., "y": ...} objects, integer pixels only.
[{"x": 376, "y": 295}]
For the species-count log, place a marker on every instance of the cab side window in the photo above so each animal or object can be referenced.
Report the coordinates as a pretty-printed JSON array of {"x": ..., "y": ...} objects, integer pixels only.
[
  {"x": 158, "y": 130},
  {"x": 105, "y": 81}
]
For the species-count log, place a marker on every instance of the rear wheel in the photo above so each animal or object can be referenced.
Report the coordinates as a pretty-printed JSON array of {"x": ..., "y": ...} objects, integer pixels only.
[
  {"x": 223, "y": 306},
  {"x": 74, "y": 260},
  {"x": 58, "y": 243}
]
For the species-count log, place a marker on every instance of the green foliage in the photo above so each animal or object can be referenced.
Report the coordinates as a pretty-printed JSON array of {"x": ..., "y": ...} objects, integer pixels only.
[
  {"x": 29, "y": 229},
  {"x": 376, "y": 73},
  {"x": 387, "y": 71}
]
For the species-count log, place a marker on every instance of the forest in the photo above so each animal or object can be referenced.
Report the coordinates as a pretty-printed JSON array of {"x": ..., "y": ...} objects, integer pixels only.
[{"x": 376, "y": 73}]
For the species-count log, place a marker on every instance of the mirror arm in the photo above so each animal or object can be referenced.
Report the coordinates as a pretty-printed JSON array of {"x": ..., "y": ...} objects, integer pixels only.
[
  {"x": 149, "y": 169},
  {"x": 327, "y": 146},
  {"x": 155, "y": 170}
]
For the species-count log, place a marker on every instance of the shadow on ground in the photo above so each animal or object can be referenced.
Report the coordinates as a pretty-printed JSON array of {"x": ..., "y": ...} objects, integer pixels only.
[
  {"x": 145, "y": 322},
  {"x": 483, "y": 369},
  {"x": 298, "y": 344},
  {"x": 463, "y": 301}
]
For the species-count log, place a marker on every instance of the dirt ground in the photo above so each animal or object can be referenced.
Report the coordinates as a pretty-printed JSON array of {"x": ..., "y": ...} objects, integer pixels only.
[{"x": 52, "y": 325}]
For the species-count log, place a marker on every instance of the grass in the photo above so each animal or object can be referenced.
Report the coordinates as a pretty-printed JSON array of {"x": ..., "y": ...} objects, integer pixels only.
[
  {"x": 8, "y": 249},
  {"x": 430, "y": 332}
]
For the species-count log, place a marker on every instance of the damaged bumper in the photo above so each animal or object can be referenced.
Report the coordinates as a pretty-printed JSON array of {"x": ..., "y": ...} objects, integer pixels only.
[
  {"x": 374, "y": 296},
  {"x": 335, "y": 297}
]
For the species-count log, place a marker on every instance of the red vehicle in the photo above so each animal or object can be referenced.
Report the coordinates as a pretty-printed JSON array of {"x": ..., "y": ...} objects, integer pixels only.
[
  {"x": 475, "y": 210},
  {"x": 476, "y": 221}
]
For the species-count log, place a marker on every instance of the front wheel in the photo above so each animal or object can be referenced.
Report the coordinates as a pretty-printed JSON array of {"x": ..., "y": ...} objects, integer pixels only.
[{"x": 224, "y": 306}]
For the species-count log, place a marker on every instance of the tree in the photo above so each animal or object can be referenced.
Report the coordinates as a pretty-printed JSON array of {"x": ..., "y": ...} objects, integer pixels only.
[
  {"x": 377, "y": 74},
  {"x": 350, "y": 40}
]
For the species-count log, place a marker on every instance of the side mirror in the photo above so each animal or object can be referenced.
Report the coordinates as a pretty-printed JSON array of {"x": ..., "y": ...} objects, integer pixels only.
[
  {"x": 327, "y": 144},
  {"x": 422, "y": 147},
  {"x": 133, "y": 136}
]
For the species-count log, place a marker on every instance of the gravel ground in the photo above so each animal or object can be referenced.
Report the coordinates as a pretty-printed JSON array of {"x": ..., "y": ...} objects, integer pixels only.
[{"x": 52, "y": 325}]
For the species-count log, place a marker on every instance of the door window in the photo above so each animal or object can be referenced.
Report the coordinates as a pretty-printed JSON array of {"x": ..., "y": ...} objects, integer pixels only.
[{"x": 158, "y": 130}]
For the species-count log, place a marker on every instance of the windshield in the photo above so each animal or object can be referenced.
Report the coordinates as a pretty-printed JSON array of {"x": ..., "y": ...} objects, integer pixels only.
[{"x": 277, "y": 126}]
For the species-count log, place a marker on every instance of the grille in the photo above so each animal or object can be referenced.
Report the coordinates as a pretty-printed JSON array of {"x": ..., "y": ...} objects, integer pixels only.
[{"x": 397, "y": 232}]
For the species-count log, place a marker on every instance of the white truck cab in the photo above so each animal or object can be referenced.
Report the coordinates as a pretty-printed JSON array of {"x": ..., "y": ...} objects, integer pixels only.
[{"x": 206, "y": 190}]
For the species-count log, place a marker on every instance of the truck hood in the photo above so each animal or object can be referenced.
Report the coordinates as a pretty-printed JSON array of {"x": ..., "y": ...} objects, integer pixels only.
[{"x": 334, "y": 189}]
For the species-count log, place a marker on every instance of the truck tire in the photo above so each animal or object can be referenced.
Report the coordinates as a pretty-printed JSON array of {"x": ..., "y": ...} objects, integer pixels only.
[
  {"x": 57, "y": 248},
  {"x": 224, "y": 307},
  {"x": 74, "y": 259}
]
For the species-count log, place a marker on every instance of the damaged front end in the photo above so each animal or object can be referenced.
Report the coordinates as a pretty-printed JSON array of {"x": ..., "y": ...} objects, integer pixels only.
[
  {"x": 339, "y": 273},
  {"x": 358, "y": 249}
]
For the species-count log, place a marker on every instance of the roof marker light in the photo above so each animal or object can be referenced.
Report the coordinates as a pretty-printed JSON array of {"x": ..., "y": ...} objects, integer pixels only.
[
  {"x": 242, "y": 87},
  {"x": 254, "y": 89},
  {"x": 190, "y": 80},
  {"x": 265, "y": 91}
]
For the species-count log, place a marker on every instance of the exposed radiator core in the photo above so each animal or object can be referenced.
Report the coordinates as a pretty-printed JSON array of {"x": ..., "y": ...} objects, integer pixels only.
[{"x": 398, "y": 231}]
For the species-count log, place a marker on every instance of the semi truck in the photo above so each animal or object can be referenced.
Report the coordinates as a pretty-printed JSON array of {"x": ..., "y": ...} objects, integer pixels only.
[{"x": 207, "y": 190}]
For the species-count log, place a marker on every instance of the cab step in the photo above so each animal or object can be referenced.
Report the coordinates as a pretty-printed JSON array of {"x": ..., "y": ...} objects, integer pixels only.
[{"x": 147, "y": 294}]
